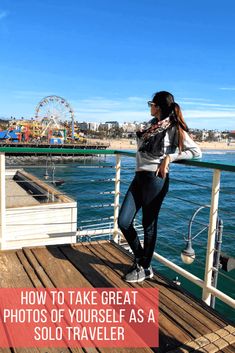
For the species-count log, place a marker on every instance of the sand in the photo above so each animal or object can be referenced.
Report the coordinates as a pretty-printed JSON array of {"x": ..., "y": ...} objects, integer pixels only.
[{"x": 130, "y": 144}]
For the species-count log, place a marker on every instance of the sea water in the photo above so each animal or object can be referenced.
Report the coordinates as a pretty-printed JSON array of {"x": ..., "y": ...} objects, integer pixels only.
[{"x": 90, "y": 182}]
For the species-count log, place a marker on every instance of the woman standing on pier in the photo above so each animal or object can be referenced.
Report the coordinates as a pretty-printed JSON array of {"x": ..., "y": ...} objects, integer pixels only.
[{"x": 165, "y": 140}]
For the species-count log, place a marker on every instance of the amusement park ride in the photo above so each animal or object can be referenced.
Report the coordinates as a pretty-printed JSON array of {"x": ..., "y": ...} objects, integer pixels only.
[
  {"x": 54, "y": 113},
  {"x": 53, "y": 123}
]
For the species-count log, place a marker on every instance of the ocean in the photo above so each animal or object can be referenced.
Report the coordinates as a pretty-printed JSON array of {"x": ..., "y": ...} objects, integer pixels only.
[{"x": 90, "y": 182}]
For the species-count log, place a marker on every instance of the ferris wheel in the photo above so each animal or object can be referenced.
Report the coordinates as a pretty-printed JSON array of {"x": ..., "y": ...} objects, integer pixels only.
[{"x": 54, "y": 111}]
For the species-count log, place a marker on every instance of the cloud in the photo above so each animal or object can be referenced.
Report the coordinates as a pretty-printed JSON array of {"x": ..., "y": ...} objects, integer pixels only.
[
  {"x": 120, "y": 116},
  {"x": 195, "y": 100},
  {"x": 198, "y": 113},
  {"x": 102, "y": 109},
  {"x": 136, "y": 99},
  {"x": 228, "y": 88},
  {"x": 97, "y": 103},
  {"x": 30, "y": 95},
  {"x": 3, "y": 14},
  {"x": 132, "y": 109},
  {"x": 212, "y": 124},
  {"x": 213, "y": 114},
  {"x": 211, "y": 105},
  {"x": 201, "y": 109},
  {"x": 204, "y": 115},
  {"x": 97, "y": 109}
]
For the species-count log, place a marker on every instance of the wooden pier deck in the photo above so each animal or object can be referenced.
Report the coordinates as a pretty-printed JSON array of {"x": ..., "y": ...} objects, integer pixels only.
[{"x": 185, "y": 324}]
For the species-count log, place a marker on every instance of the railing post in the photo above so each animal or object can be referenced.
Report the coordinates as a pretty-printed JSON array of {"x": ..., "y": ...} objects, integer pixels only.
[
  {"x": 116, "y": 198},
  {"x": 206, "y": 295},
  {"x": 216, "y": 263},
  {"x": 2, "y": 201}
]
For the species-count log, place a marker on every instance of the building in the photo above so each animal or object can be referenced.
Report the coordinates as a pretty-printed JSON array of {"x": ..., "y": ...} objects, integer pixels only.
[
  {"x": 112, "y": 124},
  {"x": 88, "y": 126},
  {"x": 93, "y": 126},
  {"x": 129, "y": 128},
  {"x": 82, "y": 126}
]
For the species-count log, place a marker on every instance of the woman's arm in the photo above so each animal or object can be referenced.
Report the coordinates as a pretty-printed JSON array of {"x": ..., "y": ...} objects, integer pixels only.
[{"x": 190, "y": 150}]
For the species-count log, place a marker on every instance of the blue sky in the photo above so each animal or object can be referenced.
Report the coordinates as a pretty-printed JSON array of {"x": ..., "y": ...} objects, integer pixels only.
[{"x": 107, "y": 58}]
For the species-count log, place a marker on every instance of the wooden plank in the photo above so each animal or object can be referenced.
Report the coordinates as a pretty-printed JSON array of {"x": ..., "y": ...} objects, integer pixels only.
[
  {"x": 39, "y": 270},
  {"x": 106, "y": 275},
  {"x": 42, "y": 350},
  {"x": 166, "y": 324},
  {"x": 112, "y": 279},
  {"x": 3, "y": 335},
  {"x": 13, "y": 275},
  {"x": 29, "y": 269},
  {"x": 230, "y": 349},
  {"x": 46, "y": 280},
  {"x": 88, "y": 263},
  {"x": 177, "y": 309},
  {"x": 64, "y": 274},
  {"x": 213, "y": 342},
  {"x": 201, "y": 311},
  {"x": 58, "y": 269},
  {"x": 190, "y": 308},
  {"x": 171, "y": 306},
  {"x": 167, "y": 307},
  {"x": 92, "y": 268},
  {"x": 32, "y": 273},
  {"x": 99, "y": 263}
]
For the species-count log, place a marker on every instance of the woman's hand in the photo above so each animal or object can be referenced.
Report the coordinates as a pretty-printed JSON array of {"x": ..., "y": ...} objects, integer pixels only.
[{"x": 164, "y": 167}]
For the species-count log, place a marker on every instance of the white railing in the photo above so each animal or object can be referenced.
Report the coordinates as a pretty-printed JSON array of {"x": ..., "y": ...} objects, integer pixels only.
[
  {"x": 207, "y": 289},
  {"x": 117, "y": 198},
  {"x": 205, "y": 283},
  {"x": 211, "y": 236}
]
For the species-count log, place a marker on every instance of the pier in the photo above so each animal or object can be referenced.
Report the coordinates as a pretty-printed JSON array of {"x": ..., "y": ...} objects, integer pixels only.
[{"x": 185, "y": 324}]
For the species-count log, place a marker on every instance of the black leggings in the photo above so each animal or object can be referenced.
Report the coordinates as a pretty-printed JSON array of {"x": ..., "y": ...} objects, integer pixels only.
[{"x": 147, "y": 191}]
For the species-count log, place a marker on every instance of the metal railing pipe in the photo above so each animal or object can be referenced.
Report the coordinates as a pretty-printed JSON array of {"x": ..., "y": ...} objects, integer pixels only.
[
  {"x": 206, "y": 295},
  {"x": 116, "y": 198},
  {"x": 196, "y": 280}
]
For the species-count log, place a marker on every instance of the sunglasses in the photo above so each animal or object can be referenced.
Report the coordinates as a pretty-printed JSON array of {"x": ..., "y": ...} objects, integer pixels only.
[{"x": 150, "y": 104}]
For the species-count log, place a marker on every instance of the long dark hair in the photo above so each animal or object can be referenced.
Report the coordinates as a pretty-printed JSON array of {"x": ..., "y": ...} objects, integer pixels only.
[{"x": 166, "y": 102}]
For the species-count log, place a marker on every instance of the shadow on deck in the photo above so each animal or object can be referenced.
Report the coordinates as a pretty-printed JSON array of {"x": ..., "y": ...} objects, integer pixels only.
[{"x": 185, "y": 324}]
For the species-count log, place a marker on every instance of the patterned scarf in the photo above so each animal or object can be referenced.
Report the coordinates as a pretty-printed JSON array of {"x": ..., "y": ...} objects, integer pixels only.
[
  {"x": 152, "y": 139},
  {"x": 155, "y": 129}
]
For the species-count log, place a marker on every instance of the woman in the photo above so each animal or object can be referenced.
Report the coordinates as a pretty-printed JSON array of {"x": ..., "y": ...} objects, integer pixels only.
[{"x": 164, "y": 141}]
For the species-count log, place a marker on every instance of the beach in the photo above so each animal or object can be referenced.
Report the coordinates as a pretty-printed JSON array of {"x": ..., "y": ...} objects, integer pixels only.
[{"x": 130, "y": 144}]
